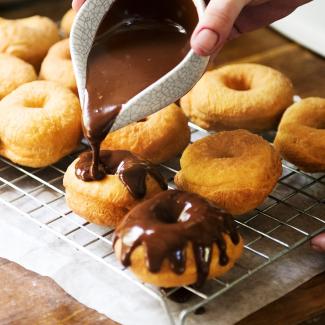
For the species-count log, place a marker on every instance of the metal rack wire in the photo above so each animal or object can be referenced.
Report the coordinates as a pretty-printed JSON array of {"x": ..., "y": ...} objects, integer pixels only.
[{"x": 292, "y": 214}]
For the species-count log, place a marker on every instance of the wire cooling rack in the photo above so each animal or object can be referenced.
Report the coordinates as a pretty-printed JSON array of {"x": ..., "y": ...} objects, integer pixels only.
[{"x": 291, "y": 215}]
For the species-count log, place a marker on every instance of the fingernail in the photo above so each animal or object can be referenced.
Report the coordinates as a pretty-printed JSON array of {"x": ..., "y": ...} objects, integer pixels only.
[{"x": 207, "y": 40}]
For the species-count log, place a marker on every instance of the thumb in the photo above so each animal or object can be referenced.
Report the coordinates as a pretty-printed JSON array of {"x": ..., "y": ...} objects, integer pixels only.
[{"x": 215, "y": 26}]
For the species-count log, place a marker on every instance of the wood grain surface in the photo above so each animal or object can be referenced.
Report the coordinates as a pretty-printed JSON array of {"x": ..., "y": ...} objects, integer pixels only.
[{"x": 27, "y": 298}]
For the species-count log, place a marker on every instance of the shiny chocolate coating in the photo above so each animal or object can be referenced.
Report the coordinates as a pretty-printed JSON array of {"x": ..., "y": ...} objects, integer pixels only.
[
  {"x": 131, "y": 170},
  {"x": 168, "y": 223}
]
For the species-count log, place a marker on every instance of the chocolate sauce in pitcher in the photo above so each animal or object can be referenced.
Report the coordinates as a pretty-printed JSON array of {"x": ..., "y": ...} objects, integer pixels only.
[{"x": 137, "y": 43}]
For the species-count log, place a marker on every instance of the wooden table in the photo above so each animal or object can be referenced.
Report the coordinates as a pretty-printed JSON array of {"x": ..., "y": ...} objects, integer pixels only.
[{"x": 27, "y": 298}]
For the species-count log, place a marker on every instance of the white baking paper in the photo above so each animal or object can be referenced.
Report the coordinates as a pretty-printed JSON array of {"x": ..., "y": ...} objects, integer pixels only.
[{"x": 96, "y": 286}]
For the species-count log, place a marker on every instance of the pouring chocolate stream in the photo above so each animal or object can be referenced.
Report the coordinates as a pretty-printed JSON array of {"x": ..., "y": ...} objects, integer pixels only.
[{"x": 137, "y": 43}]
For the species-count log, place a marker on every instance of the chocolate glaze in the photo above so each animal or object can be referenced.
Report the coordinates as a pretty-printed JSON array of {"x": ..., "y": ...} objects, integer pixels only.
[
  {"x": 137, "y": 43},
  {"x": 131, "y": 170},
  {"x": 165, "y": 225}
]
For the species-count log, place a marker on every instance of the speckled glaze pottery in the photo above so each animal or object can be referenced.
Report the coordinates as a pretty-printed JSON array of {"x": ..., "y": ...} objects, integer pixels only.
[{"x": 160, "y": 94}]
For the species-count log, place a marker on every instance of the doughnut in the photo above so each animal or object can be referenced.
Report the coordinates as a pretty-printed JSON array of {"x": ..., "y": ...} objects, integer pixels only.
[
  {"x": 128, "y": 181},
  {"x": 235, "y": 170},
  {"x": 157, "y": 138},
  {"x": 40, "y": 122},
  {"x": 67, "y": 21},
  {"x": 57, "y": 66},
  {"x": 177, "y": 238},
  {"x": 239, "y": 96},
  {"x": 28, "y": 38},
  {"x": 13, "y": 73},
  {"x": 301, "y": 135}
]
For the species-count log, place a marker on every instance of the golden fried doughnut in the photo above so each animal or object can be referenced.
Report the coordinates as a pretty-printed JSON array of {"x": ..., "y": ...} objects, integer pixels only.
[
  {"x": 57, "y": 66},
  {"x": 105, "y": 202},
  {"x": 236, "y": 170},
  {"x": 28, "y": 38},
  {"x": 301, "y": 135},
  {"x": 177, "y": 238},
  {"x": 13, "y": 73},
  {"x": 158, "y": 138},
  {"x": 67, "y": 21},
  {"x": 239, "y": 96},
  {"x": 40, "y": 122}
]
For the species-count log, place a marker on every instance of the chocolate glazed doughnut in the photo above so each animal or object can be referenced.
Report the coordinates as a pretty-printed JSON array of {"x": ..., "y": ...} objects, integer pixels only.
[
  {"x": 131, "y": 170},
  {"x": 127, "y": 181},
  {"x": 177, "y": 238}
]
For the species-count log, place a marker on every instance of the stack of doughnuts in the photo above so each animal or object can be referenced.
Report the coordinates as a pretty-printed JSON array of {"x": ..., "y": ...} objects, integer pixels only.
[{"x": 40, "y": 120}]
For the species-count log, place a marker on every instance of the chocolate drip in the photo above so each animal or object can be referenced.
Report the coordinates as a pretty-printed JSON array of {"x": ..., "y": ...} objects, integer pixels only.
[
  {"x": 131, "y": 170},
  {"x": 167, "y": 223},
  {"x": 137, "y": 43}
]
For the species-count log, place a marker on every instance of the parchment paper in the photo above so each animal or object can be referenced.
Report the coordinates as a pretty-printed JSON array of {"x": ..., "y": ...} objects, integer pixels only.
[{"x": 94, "y": 285}]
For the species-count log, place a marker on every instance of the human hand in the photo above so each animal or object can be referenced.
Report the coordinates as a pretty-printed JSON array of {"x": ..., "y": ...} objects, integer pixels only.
[
  {"x": 318, "y": 243},
  {"x": 76, "y": 4},
  {"x": 227, "y": 19}
]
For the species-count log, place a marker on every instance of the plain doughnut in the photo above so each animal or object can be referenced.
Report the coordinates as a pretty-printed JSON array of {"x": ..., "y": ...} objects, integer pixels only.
[
  {"x": 57, "y": 66},
  {"x": 13, "y": 73},
  {"x": 157, "y": 138},
  {"x": 301, "y": 135},
  {"x": 40, "y": 122},
  {"x": 28, "y": 38},
  {"x": 67, "y": 21},
  {"x": 239, "y": 96},
  {"x": 236, "y": 170}
]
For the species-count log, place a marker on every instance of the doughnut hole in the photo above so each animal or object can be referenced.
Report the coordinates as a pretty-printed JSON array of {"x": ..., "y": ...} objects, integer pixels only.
[
  {"x": 237, "y": 82},
  {"x": 165, "y": 215},
  {"x": 38, "y": 102},
  {"x": 171, "y": 214}
]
